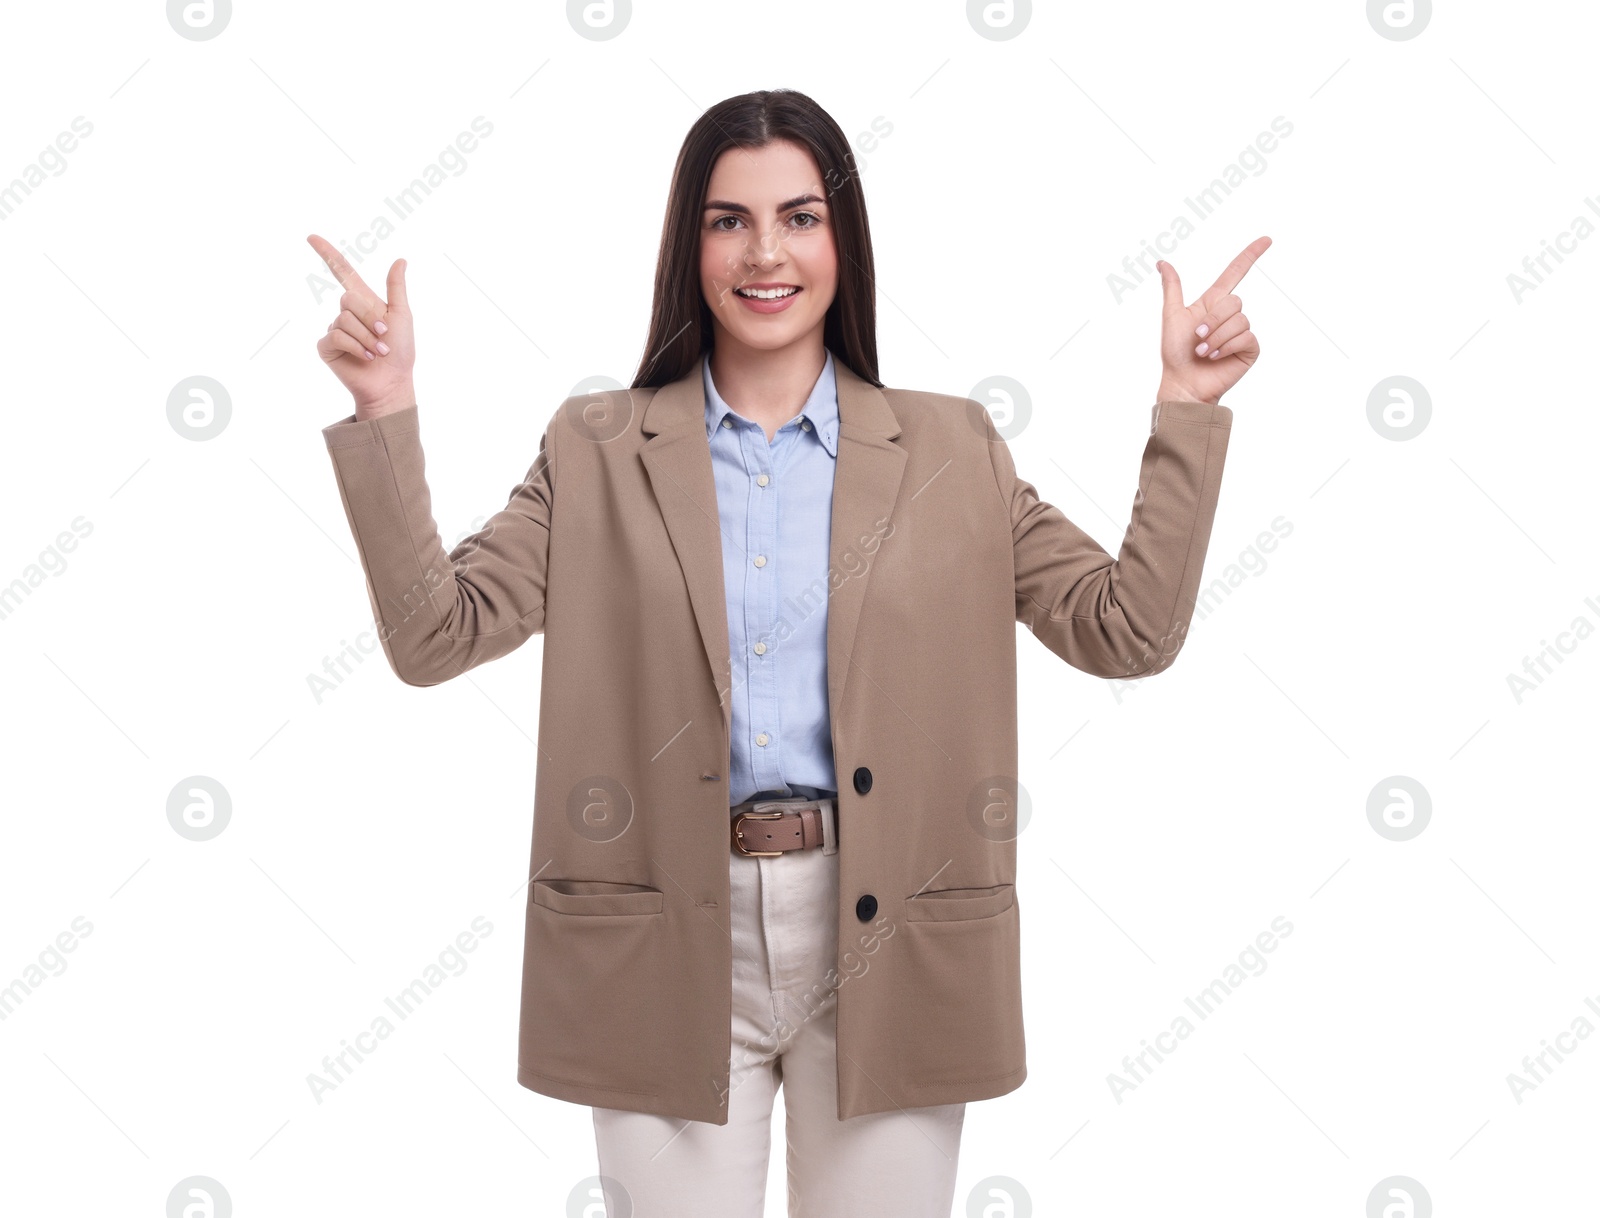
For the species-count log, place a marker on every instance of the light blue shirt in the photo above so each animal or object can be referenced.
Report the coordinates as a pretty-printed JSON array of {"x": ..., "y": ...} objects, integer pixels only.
[{"x": 775, "y": 503}]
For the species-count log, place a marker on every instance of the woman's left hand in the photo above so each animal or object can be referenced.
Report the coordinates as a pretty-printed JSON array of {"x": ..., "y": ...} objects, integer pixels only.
[{"x": 1207, "y": 346}]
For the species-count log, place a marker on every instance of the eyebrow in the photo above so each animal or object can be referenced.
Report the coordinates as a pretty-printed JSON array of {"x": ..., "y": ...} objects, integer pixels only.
[{"x": 797, "y": 201}]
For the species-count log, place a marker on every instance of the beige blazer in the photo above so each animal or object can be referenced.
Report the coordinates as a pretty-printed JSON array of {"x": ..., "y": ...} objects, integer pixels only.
[{"x": 610, "y": 548}]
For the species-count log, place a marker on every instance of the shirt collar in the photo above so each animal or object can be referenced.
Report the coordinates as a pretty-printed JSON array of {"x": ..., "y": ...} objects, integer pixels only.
[{"x": 821, "y": 408}]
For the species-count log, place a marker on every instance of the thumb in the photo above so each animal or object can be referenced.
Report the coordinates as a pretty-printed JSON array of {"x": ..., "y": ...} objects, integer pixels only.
[
  {"x": 397, "y": 286},
  {"x": 1171, "y": 287}
]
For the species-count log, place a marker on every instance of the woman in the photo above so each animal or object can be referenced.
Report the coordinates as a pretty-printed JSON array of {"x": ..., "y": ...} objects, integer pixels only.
[{"x": 761, "y": 571}]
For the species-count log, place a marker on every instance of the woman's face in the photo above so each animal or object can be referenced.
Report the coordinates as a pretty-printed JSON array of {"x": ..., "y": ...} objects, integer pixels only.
[{"x": 766, "y": 225}]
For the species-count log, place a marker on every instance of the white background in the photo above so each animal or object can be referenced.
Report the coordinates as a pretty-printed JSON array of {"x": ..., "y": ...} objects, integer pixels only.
[{"x": 1173, "y": 819}]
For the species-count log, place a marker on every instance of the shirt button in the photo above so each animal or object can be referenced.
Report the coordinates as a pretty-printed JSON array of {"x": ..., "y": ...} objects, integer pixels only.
[
  {"x": 761, "y": 560},
  {"x": 761, "y": 479},
  {"x": 761, "y": 649},
  {"x": 805, "y": 424},
  {"x": 727, "y": 422},
  {"x": 761, "y": 739}
]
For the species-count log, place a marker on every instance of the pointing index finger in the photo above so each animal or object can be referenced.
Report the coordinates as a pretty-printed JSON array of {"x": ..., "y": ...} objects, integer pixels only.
[
  {"x": 1235, "y": 270},
  {"x": 342, "y": 270}
]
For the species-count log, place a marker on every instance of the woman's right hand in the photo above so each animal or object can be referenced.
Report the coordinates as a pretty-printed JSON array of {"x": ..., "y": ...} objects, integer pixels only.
[{"x": 370, "y": 345}]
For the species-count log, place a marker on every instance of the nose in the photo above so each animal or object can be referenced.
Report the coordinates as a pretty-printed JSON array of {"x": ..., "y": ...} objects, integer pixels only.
[{"x": 766, "y": 248}]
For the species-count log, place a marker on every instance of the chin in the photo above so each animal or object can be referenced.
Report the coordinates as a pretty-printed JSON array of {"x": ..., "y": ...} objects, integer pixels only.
[{"x": 772, "y": 339}]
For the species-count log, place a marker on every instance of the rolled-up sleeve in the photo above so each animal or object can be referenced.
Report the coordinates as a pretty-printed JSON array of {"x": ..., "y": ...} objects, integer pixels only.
[
  {"x": 440, "y": 614},
  {"x": 1127, "y": 616}
]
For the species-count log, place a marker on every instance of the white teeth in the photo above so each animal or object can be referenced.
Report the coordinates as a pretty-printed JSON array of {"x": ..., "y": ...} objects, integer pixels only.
[{"x": 766, "y": 293}]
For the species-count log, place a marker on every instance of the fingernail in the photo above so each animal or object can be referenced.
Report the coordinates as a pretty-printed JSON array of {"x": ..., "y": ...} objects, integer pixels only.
[
  {"x": 1200, "y": 331},
  {"x": 1200, "y": 350},
  {"x": 366, "y": 353},
  {"x": 383, "y": 348},
  {"x": 380, "y": 328},
  {"x": 1214, "y": 354}
]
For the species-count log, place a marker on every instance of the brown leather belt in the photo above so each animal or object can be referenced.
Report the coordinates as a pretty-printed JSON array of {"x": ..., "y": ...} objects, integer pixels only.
[{"x": 765, "y": 828}]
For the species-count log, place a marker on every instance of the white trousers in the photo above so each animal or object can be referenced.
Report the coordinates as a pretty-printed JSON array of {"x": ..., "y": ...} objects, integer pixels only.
[{"x": 899, "y": 1164}]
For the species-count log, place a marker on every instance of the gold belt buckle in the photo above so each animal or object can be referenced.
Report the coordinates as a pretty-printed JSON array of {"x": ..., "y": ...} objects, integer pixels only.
[{"x": 738, "y": 843}]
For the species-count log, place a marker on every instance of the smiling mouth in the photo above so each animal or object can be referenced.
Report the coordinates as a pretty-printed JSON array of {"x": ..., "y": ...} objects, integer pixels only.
[{"x": 765, "y": 293}]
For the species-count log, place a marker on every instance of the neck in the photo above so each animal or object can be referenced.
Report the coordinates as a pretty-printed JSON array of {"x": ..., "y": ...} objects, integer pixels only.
[{"x": 767, "y": 387}]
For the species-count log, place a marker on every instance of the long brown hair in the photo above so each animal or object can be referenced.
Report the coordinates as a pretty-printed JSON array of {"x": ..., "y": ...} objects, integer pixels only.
[{"x": 680, "y": 319}]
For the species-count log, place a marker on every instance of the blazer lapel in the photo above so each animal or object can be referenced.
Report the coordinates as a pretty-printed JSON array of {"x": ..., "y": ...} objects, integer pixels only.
[
  {"x": 678, "y": 459},
  {"x": 866, "y": 482}
]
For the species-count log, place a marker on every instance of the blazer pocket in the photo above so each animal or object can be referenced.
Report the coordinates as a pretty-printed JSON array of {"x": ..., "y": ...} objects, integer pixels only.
[
  {"x": 960, "y": 904},
  {"x": 958, "y": 954},
  {"x": 596, "y": 897},
  {"x": 597, "y": 964}
]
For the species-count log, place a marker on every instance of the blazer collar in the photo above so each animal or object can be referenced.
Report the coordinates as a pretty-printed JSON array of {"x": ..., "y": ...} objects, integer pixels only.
[{"x": 866, "y": 481}]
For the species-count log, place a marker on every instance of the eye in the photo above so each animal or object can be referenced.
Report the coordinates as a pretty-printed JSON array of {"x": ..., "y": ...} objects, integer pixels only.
[
  {"x": 816, "y": 220},
  {"x": 720, "y": 219}
]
